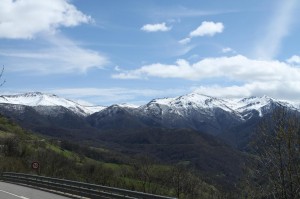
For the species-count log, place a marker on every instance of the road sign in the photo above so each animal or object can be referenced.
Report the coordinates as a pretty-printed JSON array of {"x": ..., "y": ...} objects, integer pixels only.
[{"x": 35, "y": 165}]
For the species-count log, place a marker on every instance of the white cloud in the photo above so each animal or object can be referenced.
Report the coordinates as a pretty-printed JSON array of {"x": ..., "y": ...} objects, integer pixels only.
[
  {"x": 185, "y": 40},
  {"x": 235, "y": 67},
  {"x": 285, "y": 90},
  {"x": 248, "y": 76},
  {"x": 117, "y": 68},
  {"x": 279, "y": 27},
  {"x": 295, "y": 59},
  {"x": 28, "y": 19},
  {"x": 156, "y": 27},
  {"x": 61, "y": 56},
  {"x": 126, "y": 75},
  {"x": 228, "y": 50},
  {"x": 24, "y": 19},
  {"x": 208, "y": 28}
]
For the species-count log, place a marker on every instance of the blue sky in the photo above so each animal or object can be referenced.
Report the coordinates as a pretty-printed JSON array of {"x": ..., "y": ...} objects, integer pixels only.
[{"x": 106, "y": 52}]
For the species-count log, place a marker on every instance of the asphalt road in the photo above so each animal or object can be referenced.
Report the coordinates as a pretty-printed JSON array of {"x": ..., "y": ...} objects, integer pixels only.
[{"x": 11, "y": 191}]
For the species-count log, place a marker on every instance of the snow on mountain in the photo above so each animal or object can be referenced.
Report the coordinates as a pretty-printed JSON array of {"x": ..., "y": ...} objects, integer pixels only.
[
  {"x": 181, "y": 106},
  {"x": 93, "y": 109},
  {"x": 196, "y": 100},
  {"x": 245, "y": 105},
  {"x": 206, "y": 104},
  {"x": 127, "y": 105},
  {"x": 260, "y": 104},
  {"x": 36, "y": 99},
  {"x": 40, "y": 99},
  {"x": 184, "y": 104}
]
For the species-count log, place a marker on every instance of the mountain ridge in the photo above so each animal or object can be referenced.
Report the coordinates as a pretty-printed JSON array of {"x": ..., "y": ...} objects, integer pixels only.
[
  {"x": 34, "y": 99},
  {"x": 196, "y": 111},
  {"x": 233, "y": 120},
  {"x": 180, "y": 103}
]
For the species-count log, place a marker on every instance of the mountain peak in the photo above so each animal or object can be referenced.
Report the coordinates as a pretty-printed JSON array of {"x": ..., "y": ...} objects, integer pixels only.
[
  {"x": 33, "y": 99},
  {"x": 41, "y": 99},
  {"x": 197, "y": 97}
]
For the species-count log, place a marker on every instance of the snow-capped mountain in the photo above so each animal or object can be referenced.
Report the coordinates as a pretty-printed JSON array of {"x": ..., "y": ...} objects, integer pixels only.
[
  {"x": 206, "y": 104},
  {"x": 181, "y": 106},
  {"x": 184, "y": 104},
  {"x": 231, "y": 119},
  {"x": 196, "y": 111},
  {"x": 37, "y": 99}
]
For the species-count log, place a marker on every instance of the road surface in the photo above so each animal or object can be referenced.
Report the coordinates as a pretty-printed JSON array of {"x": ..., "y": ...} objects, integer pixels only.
[{"x": 11, "y": 191}]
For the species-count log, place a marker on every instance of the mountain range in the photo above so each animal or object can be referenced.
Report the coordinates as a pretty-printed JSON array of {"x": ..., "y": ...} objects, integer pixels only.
[
  {"x": 207, "y": 133},
  {"x": 229, "y": 119},
  {"x": 181, "y": 106}
]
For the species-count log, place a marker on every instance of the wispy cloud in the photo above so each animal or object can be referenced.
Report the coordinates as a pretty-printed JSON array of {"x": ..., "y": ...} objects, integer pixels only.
[
  {"x": 280, "y": 24},
  {"x": 185, "y": 41},
  {"x": 61, "y": 56},
  {"x": 181, "y": 11},
  {"x": 228, "y": 50},
  {"x": 162, "y": 27},
  {"x": 26, "y": 19}
]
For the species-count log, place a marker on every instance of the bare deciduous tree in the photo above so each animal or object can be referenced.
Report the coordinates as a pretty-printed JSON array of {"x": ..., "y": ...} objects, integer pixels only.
[{"x": 277, "y": 145}]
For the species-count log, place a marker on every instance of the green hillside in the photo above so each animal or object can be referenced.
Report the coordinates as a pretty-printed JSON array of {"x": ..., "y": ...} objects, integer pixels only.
[{"x": 64, "y": 159}]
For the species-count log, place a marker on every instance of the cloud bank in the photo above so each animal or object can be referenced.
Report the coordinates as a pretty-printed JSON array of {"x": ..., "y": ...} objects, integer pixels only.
[
  {"x": 34, "y": 21},
  {"x": 249, "y": 76},
  {"x": 295, "y": 59}
]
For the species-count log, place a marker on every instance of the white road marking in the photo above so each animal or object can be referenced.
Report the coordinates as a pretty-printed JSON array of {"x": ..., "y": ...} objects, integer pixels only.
[{"x": 22, "y": 197}]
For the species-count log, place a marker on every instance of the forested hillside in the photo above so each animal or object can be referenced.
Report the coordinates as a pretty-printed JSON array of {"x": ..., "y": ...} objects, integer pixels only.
[
  {"x": 176, "y": 162},
  {"x": 63, "y": 159}
]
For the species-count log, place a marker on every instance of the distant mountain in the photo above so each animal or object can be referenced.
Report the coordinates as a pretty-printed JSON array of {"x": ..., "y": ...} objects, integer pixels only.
[
  {"x": 194, "y": 128},
  {"x": 194, "y": 111},
  {"x": 182, "y": 106},
  {"x": 206, "y": 105},
  {"x": 232, "y": 120},
  {"x": 37, "y": 99},
  {"x": 115, "y": 117}
]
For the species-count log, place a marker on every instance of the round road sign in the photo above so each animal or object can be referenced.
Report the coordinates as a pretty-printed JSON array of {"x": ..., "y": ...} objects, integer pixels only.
[{"x": 35, "y": 165}]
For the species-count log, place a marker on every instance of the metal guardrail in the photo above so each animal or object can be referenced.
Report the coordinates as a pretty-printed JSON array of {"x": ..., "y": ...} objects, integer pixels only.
[{"x": 77, "y": 188}]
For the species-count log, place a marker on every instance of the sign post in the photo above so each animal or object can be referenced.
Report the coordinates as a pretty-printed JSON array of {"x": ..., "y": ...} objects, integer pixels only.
[{"x": 36, "y": 166}]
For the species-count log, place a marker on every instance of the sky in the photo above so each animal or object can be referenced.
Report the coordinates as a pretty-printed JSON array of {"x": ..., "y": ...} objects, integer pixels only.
[{"x": 116, "y": 51}]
